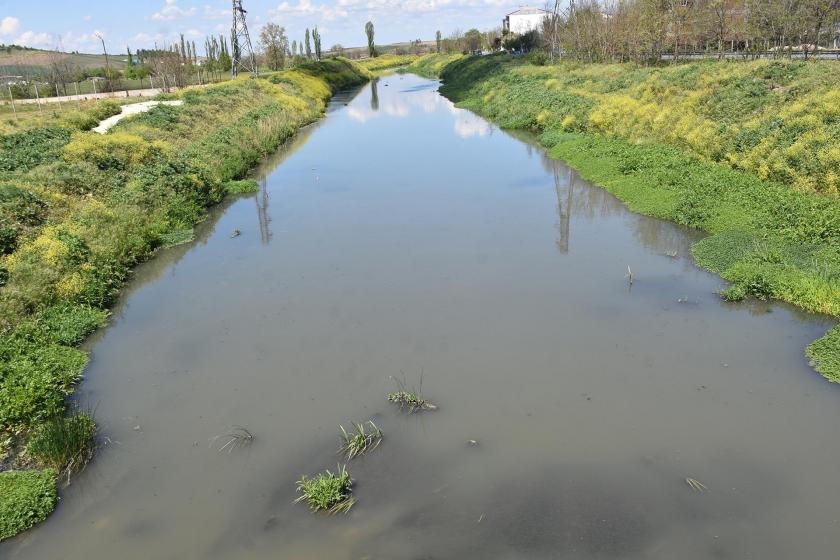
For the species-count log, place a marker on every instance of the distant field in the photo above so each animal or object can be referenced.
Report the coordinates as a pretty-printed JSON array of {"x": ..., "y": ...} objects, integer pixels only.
[{"x": 28, "y": 62}]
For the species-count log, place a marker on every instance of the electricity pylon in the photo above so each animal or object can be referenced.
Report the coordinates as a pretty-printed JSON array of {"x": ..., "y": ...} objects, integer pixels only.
[{"x": 242, "y": 58}]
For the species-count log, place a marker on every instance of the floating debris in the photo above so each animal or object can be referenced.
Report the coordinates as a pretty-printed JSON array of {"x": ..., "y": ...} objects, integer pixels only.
[
  {"x": 236, "y": 438},
  {"x": 236, "y": 233},
  {"x": 696, "y": 485}
]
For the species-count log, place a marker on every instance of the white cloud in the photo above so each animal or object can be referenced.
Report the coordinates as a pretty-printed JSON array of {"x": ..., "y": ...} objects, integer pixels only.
[
  {"x": 307, "y": 8},
  {"x": 34, "y": 39},
  {"x": 211, "y": 12},
  {"x": 171, "y": 11},
  {"x": 87, "y": 18},
  {"x": 9, "y": 25}
]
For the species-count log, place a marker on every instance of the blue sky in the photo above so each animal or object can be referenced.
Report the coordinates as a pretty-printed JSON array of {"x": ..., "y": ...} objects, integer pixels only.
[{"x": 74, "y": 25}]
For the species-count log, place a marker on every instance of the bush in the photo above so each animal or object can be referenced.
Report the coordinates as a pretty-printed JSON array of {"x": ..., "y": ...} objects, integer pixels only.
[
  {"x": 112, "y": 151},
  {"x": 34, "y": 380},
  {"x": 25, "y": 150},
  {"x": 21, "y": 206},
  {"x": 26, "y": 498},
  {"x": 538, "y": 58},
  {"x": 8, "y": 237}
]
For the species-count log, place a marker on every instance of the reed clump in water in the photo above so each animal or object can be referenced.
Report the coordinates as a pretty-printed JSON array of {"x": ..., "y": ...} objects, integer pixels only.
[
  {"x": 327, "y": 491},
  {"x": 412, "y": 400},
  {"x": 362, "y": 438}
]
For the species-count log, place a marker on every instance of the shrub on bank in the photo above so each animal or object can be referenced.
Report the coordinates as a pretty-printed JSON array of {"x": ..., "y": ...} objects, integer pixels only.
[{"x": 26, "y": 498}]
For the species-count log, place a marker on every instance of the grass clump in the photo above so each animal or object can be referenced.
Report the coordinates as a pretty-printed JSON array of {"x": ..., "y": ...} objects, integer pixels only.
[
  {"x": 64, "y": 443},
  {"x": 410, "y": 399},
  {"x": 327, "y": 491},
  {"x": 360, "y": 439},
  {"x": 26, "y": 498},
  {"x": 244, "y": 186}
]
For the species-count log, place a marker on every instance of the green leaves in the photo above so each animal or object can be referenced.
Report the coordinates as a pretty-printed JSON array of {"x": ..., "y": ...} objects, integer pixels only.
[{"x": 26, "y": 498}]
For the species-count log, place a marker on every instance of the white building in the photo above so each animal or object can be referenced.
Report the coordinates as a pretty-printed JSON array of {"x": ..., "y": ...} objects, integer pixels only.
[{"x": 523, "y": 20}]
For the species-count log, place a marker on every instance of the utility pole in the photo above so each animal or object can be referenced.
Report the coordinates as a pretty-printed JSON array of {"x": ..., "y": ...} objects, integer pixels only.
[{"x": 243, "y": 54}]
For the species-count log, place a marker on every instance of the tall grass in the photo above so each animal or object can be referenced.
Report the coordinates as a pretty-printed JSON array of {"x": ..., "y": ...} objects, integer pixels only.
[{"x": 64, "y": 443}]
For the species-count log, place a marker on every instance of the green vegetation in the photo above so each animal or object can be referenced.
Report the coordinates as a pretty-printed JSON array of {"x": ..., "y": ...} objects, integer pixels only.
[
  {"x": 26, "y": 498},
  {"x": 745, "y": 151},
  {"x": 63, "y": 443},
  {"x": 387, "y": 61},
  {"x": 359, "y": 440},
  {"x": 430, "y": 66},
  {"x": 327, "y": 491},
  {"x": 79, "y": 209},
  {"x": 244, "y": 186}
]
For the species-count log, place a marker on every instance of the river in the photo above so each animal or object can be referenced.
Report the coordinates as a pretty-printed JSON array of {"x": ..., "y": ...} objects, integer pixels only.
[{"x": 403, "y": 237}]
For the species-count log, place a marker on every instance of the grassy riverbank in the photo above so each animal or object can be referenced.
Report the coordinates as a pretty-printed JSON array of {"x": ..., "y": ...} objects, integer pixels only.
[
  {"x": 387, "y": 62},
  {"x": 746, "y": 151},
  {"x": 79, "y": 209}
]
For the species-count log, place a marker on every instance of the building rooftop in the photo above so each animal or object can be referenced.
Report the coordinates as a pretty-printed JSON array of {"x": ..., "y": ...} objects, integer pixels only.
[{"x": 527, "y": 11}]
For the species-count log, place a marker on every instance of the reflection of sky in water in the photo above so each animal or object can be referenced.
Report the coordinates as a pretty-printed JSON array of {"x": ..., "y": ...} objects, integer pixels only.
[{"x": 408, "y": 102}]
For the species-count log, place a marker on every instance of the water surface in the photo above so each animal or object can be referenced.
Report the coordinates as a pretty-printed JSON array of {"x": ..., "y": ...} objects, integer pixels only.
[{"x": 402, "y": 235}]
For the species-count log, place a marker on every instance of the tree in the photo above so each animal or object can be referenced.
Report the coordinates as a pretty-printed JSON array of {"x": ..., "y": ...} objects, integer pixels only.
[
  {"x": 308, "y": 47},
  {"x": 438, "y": 39},
  {"x": 316, "y": 37},
  {"x": 369, "y": 33},
  {"x": 130, "y": 59},
  {"x": 473, "y": 40},
  {"x": 274, "y": 44},
  {"x": 337, "y": 49},
  {"x": 225, "y": 62},
  {"x": 294, "y": 48}
]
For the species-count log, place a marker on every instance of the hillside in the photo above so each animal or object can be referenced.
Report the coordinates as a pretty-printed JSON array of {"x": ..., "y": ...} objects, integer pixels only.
[{"x": 24, "y": 62}]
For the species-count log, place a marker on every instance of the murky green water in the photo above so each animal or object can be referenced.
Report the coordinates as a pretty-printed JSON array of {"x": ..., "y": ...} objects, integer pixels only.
[{"x": 404, "y": 235}]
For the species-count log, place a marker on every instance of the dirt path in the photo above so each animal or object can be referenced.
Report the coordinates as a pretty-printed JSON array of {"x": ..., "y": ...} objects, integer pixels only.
[{"x": 132, "y": 109}]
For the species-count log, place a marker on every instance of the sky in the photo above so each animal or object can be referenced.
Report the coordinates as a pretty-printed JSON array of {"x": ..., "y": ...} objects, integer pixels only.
[{"x": 74, "y": 25}]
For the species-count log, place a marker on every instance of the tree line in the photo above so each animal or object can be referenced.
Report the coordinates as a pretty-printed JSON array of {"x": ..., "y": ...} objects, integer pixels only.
[{"x": 646, "y": 30}]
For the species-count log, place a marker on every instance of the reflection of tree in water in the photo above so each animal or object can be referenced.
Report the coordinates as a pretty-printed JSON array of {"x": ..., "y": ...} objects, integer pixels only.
[
  {"x": 578, "y": 197},
  {"x": 374, "y": 95},
  {"x": 563, "y": 182},
  {"x": 261, "y": 200}
]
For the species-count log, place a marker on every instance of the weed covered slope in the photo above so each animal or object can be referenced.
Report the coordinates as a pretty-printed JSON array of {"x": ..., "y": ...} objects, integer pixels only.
[
  {"x": 746, "y": 151},
  {"x": 79, "y": 209}
]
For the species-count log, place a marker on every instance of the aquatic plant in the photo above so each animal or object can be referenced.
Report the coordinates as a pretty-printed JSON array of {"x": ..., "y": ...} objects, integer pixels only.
[
  {"x": 327, "y": 491},
  {"x": 410, "y": 399},
  {"x": 64, "y": 443},
  {"x": 360, "y": 440}
]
